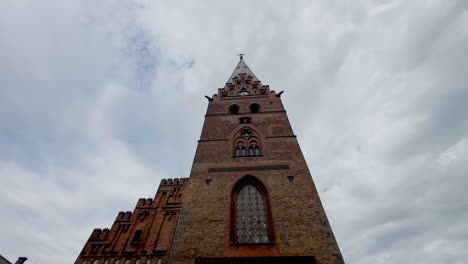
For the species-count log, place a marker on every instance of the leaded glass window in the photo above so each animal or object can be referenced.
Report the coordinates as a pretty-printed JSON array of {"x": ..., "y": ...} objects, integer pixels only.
[{"x": 251, "y": 225}]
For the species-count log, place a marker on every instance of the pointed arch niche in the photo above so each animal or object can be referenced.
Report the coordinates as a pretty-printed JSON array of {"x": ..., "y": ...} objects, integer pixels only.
[
  {"x": 251, "y": 221},
  {"x": 247, "y": 143}
]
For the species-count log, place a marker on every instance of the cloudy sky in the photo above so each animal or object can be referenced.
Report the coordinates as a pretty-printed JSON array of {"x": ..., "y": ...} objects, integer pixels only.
[{"x": 99, "y": 100}]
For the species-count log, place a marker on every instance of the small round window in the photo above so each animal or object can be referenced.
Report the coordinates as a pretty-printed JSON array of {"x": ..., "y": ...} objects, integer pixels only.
[{"x": 244, "y": 93}]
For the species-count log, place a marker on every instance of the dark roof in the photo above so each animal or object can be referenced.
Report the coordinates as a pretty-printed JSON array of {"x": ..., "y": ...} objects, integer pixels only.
[{"x": 3, "y": 260}]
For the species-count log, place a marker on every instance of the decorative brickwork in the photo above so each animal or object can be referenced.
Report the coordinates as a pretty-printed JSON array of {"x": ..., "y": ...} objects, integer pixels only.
[
  {"x": 250, "y": 168},
  {"x": 207, "y": 230},
  {"x": 144, "y": 234},
  {"x": 254, "y": 207}
]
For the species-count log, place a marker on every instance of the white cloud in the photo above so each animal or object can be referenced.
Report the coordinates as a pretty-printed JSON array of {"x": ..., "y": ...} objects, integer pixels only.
[{"x": 97, "y": 97}]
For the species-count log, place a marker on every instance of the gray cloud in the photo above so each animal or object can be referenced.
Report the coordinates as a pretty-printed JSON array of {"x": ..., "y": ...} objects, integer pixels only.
[{"x": 99, "y": 101}]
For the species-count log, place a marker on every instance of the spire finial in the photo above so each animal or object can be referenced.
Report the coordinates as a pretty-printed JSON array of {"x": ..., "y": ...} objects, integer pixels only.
[{"x": 241, "y": 55}]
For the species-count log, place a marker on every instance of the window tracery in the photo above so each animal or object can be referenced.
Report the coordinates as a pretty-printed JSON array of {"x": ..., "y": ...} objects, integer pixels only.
[
  {"x": 240, "y": 149},
  {"x": 251, "y": 221},
  {"x": 246, "y": 143}
]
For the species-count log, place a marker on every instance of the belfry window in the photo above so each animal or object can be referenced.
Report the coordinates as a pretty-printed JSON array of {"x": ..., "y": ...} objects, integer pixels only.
[
  {"x": 254, "y": 150},
  {"x": 254, "y": 108},
  {"x": 251, "y": 216},
  {"x": 246, "y": 143},
  {"x": 240, "y": 149},
  {"x": 234, "y": 109}
]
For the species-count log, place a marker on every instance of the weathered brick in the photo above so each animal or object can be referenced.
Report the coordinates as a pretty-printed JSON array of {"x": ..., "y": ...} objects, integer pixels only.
[{"x": 203, "y": 228}]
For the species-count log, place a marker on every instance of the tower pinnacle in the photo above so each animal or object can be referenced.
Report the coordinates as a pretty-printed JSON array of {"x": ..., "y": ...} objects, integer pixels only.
[{"x": 242, "y": 68}]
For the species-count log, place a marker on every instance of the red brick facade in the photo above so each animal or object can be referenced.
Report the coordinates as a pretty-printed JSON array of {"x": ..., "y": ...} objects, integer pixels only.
[
  {"x": 155, "y": 218},
  {"x": 250, "y": 196}
]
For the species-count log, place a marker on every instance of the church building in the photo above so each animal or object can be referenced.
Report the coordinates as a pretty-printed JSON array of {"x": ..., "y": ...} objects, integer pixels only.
[{"x": 250, "y": 198}]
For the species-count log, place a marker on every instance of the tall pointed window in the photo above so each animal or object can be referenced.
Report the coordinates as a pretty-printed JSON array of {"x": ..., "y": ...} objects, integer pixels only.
[{"x": 251, "y": 216}]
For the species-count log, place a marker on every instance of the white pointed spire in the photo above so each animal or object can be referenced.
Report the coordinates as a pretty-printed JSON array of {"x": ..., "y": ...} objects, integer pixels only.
[{"x": 242, "y": 68}]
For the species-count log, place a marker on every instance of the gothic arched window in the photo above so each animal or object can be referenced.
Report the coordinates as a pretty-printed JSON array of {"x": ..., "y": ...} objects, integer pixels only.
[
  {"x": 251, "y": 218},
  {"x": 254, "y": 150},
  {"x": 246, "y": 143},
  {"x": 240, "y": 149}
]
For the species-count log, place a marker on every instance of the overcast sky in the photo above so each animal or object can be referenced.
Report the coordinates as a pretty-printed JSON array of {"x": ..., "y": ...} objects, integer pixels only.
[{"x": 100, "y": 100}]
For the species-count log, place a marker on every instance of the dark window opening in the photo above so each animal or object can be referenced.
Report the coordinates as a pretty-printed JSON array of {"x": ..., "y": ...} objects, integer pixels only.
[
  {"x": 245, "y": 120},
  {"x": 234, "y": 109},
  {"x": 254, "y": 108},
  {"x": 136, "y": 237}
]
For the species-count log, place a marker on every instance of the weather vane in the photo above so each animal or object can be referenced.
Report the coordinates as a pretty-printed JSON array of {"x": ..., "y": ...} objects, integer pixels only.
[{"x": 241, "y": 55}]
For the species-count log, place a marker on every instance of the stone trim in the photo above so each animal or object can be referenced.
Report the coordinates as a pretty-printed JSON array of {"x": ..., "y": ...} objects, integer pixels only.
[
  {"x": 248, "y": 113},
  {"x": 243, "y": 97},
  {"x": 208, "y": 140},
  {"x": 251, "y": 168}
]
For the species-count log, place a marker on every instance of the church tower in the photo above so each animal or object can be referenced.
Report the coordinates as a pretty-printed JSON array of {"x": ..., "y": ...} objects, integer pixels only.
[{"x": 250, "y": 197}]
